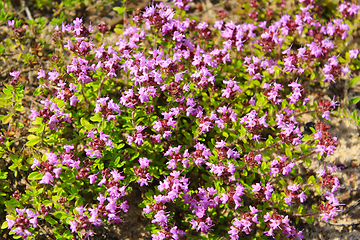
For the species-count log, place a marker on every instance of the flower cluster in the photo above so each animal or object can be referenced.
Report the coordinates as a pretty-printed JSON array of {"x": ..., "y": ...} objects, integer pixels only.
[
  {"x": 233, "y": 196},
  {"x": 328, "y": 209},
  {"x": 254, "y": 124},
  {"x": 51, "y": 114},
  {"x": 108, "y": 206},
  {"x": 98, "y": 144},
  {"x": 65, "y": 93},
  {"x": 204, "y": 199},
  {"x": 21, "y": 224},
  {"x": 325, "y": 107},
  {"x": 18, "y": 32},
  {"x": 262, "y": 193},
  {"x": 348, "y": 9},
  {"x": 293, "y": 194},
  {"x": 280, "y": 167},
  {"x": 107, "y": 108},
  {"x": 51, "y": 168},
  {"x": 172, "y": 187},
  {"x": 290, "y": 132},
  {"x": 15, "y": 76},
  {"x": 252, "y": 160},
  {"x": 142, "y": 172},
  {"x": 328, "y": 180},
  {"x": 325, "y": 142},
  {"x": 277, "y": 222},
  {"x": 244, "y": 223}
]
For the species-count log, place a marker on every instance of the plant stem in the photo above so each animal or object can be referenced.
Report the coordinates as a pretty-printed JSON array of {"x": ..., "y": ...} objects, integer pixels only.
[
  {"x": 305, "y": 156},
  {"x": 85, "y": 98},
  {"x": 101, "y": 86},
  {"x": 307, "y": 215}
]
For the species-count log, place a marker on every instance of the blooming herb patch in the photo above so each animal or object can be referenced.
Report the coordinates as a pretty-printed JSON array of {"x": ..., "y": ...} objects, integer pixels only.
[{"x": 206, "y": 115}]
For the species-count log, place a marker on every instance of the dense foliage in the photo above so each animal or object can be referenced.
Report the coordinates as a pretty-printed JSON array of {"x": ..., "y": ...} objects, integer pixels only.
[{"x": 206, "y": 115}]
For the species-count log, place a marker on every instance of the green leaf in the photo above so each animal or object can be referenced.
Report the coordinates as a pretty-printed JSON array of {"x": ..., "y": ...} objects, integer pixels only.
[
  {"x": 225, "y": 134},
  {"x": 149, "y": 194},
  {"x": 282, "y": 182},
  {"x": 33, "y": 140},
  {"x": 298, "y": 180},
  {"x": 120, "y": 10},
  {"x": 3, "y": 175},
  {"x": 310, "y": 220},
  {"x": 38, "y": 121},
  {"x": 19, "y": 108},
  {"x": 311, "y": 180},
  {"x": 50, "y": 220},
  {"x": 354, "y": 81},
  {"x": 205, "y": 177},
  {"x": 60, "y": 215},
  {"x": 300, "y": 209},
  {"x": 57, "y": 235},
  {"x": 47, "y": 203},
  {"x": 250, "y": 178},
  {"x": 136, "y": 155},
  {"x": 6, "y": 119},
  {"x": 307, "y": 161},
  {"x": 312, "y": 75},
  {"x": 35, "y": 176},
  {"x": 67, "y": 234},
  {"x": 79, "y": 202},
  {"x": 118, "y": 30},
  {"x": 4, "y": 225},
  {"x": 32, "y": 137},
  {"x": 96, "y": 118},
  {"x": 8, "y": 93},
  {"x": 354, "y": 100},
  {"x": 24, "y": 168},
  {"x": 288, "y": 153},
  {"x": 38, "y": 91},
  {"x": 34, "y": 129},
  {"x": 67, "y": 176},
  {"x": 188, "y": 136},
  {"x": 85, "y": 123}
]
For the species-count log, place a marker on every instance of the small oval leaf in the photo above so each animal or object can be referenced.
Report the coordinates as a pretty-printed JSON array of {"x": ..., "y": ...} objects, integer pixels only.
[
  {"x": 35, "y": 176},
  {"x": 354, "y": 81},
  {"x": 354, "y": 100},
  {"x": 50, "y": 220}
]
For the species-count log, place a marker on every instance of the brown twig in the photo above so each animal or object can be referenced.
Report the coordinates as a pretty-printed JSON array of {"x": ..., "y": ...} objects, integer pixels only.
[
  {"x": 27, "y": 11},
  {"x": 345, "y": 224}
]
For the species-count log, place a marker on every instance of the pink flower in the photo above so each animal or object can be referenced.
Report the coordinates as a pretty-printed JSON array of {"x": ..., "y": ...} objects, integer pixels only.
[
  {"x": 15, "y": 74},
  {"x": 11, "y": 23},
  {"x": 57, "y": 172},
  {"x": 35, "y": 163},
  {"x": 160, "y": 218},
  {"x": 354, "y": 53},
  {"x": 144, "y": 162},
  {"x": 41, "y": 74},
  {"x": 47, "y": 178},
  {"x": 256, "y": 187},
  {"x": 302, "y": 197},
  {"x": 92, "y": 178}
]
